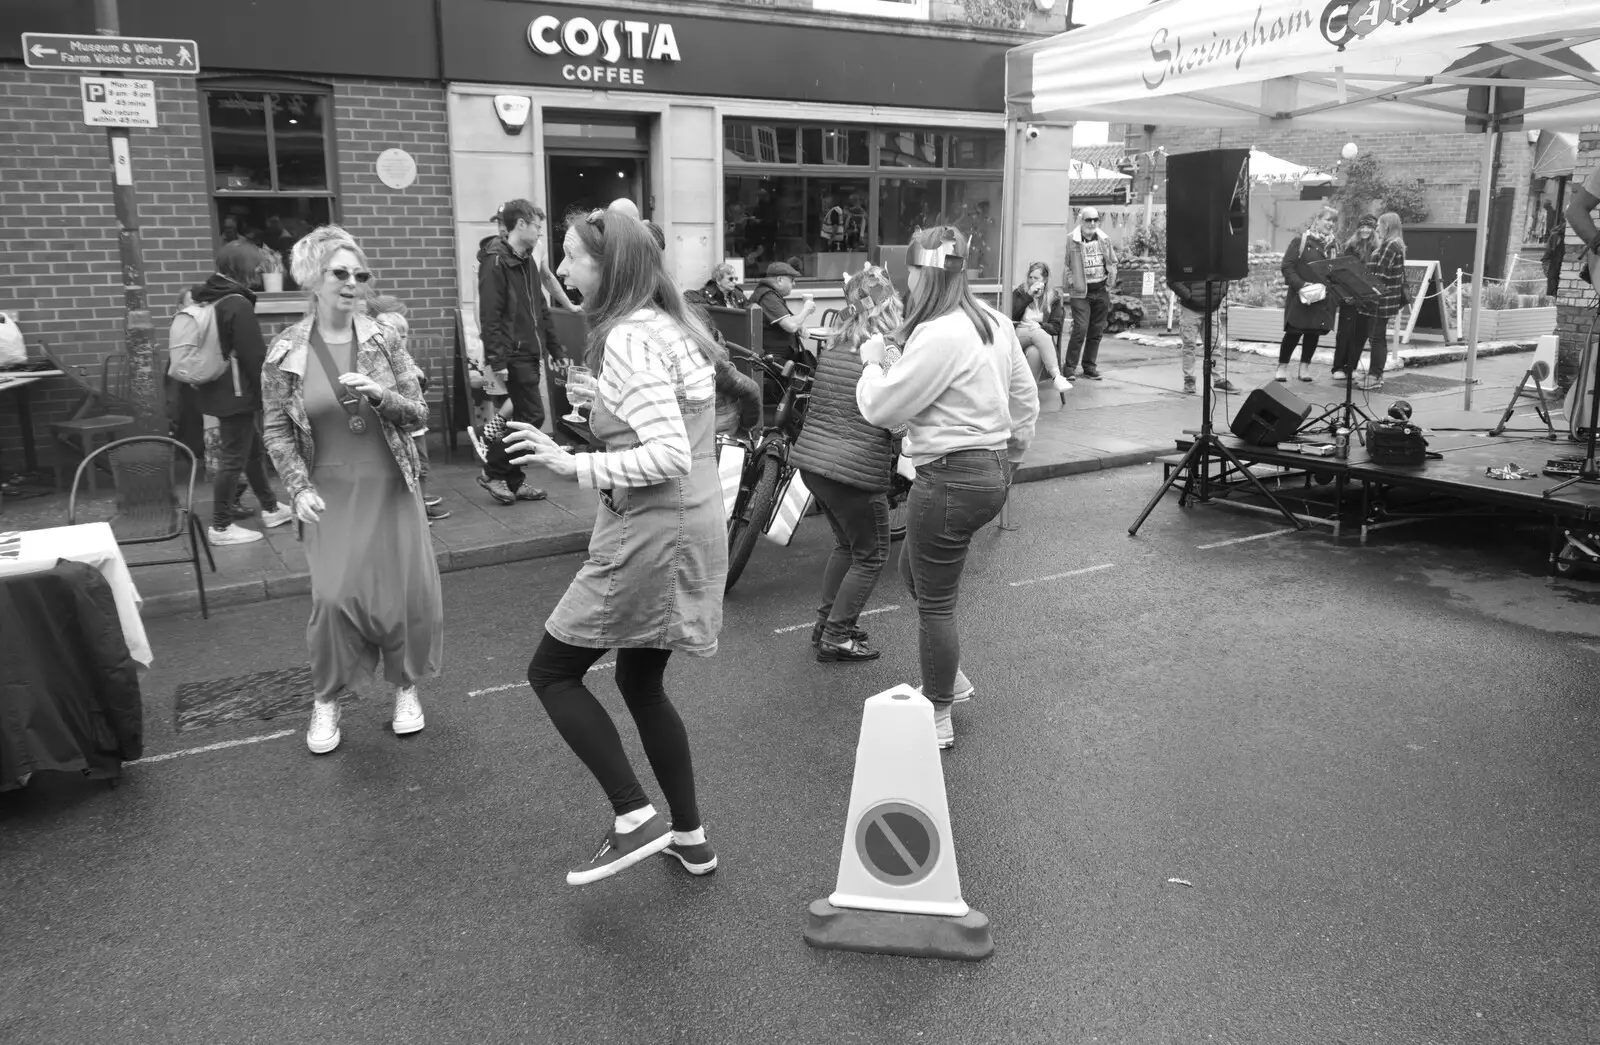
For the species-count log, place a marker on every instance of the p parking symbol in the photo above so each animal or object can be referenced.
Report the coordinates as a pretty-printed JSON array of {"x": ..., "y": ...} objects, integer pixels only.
[{"x": 94, "y": 92}]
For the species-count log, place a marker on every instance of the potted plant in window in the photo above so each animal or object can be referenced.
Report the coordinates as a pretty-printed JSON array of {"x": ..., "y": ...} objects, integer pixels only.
[{"x": 271, "y": 271}]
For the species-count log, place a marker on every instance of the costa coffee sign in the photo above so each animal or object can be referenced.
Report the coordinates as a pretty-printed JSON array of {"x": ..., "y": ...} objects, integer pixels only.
[{"x": 602, "y": 47}]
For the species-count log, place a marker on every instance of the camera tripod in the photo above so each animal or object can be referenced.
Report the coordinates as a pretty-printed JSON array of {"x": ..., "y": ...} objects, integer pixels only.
[{"x": 1194, "y": 467}]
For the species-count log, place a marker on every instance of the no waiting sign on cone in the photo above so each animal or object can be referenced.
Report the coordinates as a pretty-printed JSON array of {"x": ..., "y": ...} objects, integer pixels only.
[{"x": 898, "y": 890}]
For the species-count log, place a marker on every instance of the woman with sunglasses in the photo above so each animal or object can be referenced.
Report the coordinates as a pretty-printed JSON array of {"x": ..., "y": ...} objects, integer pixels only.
[
  {"x": 964, "y": 386},
  {"x": 658, "y": 557},
  {"x": 341, "y": 397}
]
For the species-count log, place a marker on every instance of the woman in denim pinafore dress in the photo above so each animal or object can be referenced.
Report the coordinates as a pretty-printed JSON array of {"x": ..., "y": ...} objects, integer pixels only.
[{"x": 653, "y": 579}]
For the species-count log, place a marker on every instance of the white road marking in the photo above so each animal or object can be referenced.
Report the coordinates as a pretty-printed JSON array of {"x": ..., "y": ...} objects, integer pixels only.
[
  {"x": 1252, "y": 537},
  {"x": 213, "y": 747},
  {"x": 602, "y": 666},
  {"x": 802, "y": 627},
  {"x": 1059, "y": 576}
]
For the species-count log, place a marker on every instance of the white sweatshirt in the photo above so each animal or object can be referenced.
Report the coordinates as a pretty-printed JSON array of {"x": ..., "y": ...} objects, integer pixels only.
[{"x": 954, "y": 391}]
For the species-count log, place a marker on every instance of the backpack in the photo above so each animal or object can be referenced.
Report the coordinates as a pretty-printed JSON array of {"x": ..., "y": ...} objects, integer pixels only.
[{"x": 194, "y": 348}]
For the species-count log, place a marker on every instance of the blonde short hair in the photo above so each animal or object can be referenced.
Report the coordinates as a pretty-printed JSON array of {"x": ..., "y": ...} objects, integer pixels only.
[{"x": 313, "y": 251}]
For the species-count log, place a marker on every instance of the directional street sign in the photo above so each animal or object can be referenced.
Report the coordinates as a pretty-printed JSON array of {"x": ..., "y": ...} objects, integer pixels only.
[{"x": 124, "y": 54}]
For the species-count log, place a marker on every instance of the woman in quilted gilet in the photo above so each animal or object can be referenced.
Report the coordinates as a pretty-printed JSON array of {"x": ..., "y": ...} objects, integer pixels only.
[{"x": 847, "y": 464}]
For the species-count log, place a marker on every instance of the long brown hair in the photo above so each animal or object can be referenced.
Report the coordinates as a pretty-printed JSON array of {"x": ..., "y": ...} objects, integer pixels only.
[
  {"x": 1389, "y": 229},
  {"x": 942, "y": 291},
  {"x": 632, "y": 276},
  {"x": 851, "y": 327}
]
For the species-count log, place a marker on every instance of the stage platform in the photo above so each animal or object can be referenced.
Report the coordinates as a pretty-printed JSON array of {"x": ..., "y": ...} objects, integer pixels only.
[{"x": 1321, "y": 491}]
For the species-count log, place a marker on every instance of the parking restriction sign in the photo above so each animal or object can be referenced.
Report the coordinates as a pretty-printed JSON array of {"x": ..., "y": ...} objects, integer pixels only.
[{"x": 111, "y": 102}]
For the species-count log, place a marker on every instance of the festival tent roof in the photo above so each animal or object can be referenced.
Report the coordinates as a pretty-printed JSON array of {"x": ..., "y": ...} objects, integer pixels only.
[
  {"x": 1266, "y": 167},
  {"x": 1555, "y": 155},
  {"x": 1373, "y": 65}
]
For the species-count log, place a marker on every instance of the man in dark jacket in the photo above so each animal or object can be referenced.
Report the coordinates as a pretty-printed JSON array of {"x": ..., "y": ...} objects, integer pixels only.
[
  {"x": 237, "y": 404},
  {"x": 781, "y": 329},
  {"x": 514, "y": 321}
]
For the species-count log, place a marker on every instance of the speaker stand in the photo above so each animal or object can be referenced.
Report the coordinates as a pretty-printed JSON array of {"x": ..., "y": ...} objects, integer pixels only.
[
  {"x": 1345, "y": 414},
  {"x": 1205, "y": 445}
]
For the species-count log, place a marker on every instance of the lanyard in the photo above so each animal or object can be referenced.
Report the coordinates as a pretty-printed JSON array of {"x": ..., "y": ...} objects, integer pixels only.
[{"x": 347, "y": 399}]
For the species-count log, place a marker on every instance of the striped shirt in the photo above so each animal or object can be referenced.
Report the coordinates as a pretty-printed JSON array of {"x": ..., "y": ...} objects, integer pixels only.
[{"x": 649, "y": 363}]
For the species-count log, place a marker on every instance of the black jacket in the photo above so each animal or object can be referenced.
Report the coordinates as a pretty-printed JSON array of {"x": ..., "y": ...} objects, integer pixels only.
[
  {"x": 836, "y": 441},
  {"x": 1054, "y": 310},
  {"x": 241, "y": 338},
  {"x": 712, "y": 294},
  {"x": 69, "y": 691},
  {"x": 1297, "y": 315},
  {"x": 513, "y": 316},
  {"x": 1194, "y": 296}
]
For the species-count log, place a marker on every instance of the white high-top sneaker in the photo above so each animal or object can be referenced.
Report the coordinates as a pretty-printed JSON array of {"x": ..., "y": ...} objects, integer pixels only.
[
  {"x": 407, "y": 711},
  {"x": 323, "y": 736}
]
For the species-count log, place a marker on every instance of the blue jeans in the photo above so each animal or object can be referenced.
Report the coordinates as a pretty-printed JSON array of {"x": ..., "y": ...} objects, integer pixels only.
[
  {"x": 953, "y": 498},
  {"x": 860, "y": 521}
]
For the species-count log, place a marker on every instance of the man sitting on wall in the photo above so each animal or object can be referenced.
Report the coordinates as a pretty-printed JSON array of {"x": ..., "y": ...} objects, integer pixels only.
[{"x": 781, "y": 328}]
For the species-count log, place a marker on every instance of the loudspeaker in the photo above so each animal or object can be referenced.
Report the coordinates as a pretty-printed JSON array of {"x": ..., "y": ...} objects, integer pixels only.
[
  {"x": 1208, "y": 215},
  {"x": 1271, "y": 414}
]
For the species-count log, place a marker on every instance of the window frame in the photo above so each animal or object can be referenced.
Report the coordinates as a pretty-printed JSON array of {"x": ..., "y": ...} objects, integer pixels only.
[
  {"x": 872, "y": 173},
  {"x": 205, "y": 86}
]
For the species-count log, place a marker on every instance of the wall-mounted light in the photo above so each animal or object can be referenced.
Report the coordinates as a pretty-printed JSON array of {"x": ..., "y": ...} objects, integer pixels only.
[{"x": 513, "y": 110}]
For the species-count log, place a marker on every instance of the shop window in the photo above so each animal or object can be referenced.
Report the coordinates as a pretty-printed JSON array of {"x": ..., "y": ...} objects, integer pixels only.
[
  {"x": 802, "y": 212},
  {"x": 272, "y": 179}
]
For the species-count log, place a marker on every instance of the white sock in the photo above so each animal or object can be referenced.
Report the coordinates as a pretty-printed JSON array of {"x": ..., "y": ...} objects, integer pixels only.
[
  {"x": 695, "y": 837},
  {"x": 634, "y": 820}
]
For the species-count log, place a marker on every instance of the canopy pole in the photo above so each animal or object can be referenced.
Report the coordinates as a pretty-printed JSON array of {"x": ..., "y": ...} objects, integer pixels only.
[{"x": 1480, "y": 249}]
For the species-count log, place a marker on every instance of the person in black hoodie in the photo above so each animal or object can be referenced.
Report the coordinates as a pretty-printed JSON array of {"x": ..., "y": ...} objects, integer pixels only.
[
  {"x": 237, "y": 405},
  {"x": 514, "y": 321}
]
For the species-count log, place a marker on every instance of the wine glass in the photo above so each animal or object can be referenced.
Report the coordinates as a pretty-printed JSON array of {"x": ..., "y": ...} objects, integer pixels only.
[{"x": 580, "y": 392}]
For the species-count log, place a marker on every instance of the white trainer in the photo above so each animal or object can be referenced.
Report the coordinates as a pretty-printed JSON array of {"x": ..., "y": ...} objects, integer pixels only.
[
  {"x": 943, "y": 727},
  {"x": 233, "y": 533},
  {"x": 407, "y": 711},
  {"x": 277, "y": 517},
  {"x": 323, "y": 736}
]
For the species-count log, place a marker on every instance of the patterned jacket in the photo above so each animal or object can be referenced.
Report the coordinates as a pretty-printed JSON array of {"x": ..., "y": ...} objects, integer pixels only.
[
  {"x": 382, "y": 356},
  {"x": 1388, "y": 268},
  {"x": 836, "y": 441}
]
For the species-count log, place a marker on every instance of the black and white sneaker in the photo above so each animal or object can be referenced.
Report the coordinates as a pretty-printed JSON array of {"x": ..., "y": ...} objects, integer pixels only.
[
  {"x": 618, "y": 852},
  {"x": 696, "y": 859}
]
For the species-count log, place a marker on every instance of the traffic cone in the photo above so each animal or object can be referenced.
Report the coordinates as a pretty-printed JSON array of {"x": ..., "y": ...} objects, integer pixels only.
[{"x": 898, "y": 890}]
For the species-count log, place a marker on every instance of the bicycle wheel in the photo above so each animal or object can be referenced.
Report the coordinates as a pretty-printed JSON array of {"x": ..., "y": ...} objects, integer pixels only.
[{"x": 745, "y": 529}]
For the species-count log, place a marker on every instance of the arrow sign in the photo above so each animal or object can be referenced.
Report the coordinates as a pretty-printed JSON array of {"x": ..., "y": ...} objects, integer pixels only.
[{"x": 120, "y": 54}]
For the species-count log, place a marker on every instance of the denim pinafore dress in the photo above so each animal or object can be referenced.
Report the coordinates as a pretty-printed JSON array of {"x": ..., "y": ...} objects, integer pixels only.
[{"x": 658, "y": 557}]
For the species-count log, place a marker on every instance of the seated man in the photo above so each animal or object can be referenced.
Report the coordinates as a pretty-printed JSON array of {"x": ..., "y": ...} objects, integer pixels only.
[{"x": 781, "y": 329}]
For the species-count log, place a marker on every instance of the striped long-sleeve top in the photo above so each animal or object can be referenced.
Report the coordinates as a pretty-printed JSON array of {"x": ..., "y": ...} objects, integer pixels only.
[{"x": 649, "y": 363}]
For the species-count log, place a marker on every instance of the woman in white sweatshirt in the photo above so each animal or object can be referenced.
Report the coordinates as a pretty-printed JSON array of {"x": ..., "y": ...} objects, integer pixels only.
[{"x": 963, "y": 387}]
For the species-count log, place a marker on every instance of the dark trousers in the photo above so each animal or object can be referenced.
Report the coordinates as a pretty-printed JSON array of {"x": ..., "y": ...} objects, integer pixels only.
[
  {"x": 1379, "y": 335},
  {"x": 1347, "y": 341},
  {"x": 242, "y": 450},
  {"x": 1307, "y": 339},
  {"x": 556, "y": 675},
  {"x": 952, "y": 499},
  {"x": 1088, "y": 326},
  {"x": 497, "y": 462},
  {"x": 522, "y": 384},
  {"x": 860, "y": 521}
]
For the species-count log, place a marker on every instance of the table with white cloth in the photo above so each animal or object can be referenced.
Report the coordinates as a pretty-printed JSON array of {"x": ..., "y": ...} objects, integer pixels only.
[{"x": 92, "y": 544}]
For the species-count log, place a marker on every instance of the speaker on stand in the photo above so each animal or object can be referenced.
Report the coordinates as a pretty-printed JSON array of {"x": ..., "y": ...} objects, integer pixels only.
[{"x": 1208, "y": 241}]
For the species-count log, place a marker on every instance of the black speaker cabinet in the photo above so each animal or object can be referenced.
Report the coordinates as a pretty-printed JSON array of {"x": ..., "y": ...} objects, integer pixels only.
[
  {"x": 1271, "y": 414},
  {"x": 1208, "y": 215}
]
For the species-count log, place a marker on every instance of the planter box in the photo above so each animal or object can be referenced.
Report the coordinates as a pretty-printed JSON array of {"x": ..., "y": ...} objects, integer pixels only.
[
  {"x": 1516, "y": 324},
  {"x": 1255, "y": 324}
]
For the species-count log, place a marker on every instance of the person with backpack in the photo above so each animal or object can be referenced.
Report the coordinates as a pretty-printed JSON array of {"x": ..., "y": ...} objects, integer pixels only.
[{"x": 220, "y": 331}]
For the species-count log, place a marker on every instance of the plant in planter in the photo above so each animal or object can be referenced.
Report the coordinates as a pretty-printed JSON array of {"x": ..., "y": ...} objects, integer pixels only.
[{"x": 271, "y": 270}]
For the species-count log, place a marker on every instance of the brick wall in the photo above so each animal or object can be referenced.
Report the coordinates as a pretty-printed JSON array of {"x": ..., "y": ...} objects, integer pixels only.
[
  {"x": 1575, "y": 301},
  {"x": 58, "y": 254}
]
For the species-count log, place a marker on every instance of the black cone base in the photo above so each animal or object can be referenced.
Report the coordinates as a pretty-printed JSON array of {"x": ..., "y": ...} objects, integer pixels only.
[{"x": 964, "y": 939}]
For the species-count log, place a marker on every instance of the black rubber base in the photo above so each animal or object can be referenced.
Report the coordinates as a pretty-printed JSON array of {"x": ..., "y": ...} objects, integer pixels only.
[{"x": 964, "y": 939}]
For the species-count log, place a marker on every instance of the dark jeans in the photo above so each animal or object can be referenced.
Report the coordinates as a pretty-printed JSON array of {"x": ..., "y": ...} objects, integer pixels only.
[
  {"x": 497, "y": 462},
  {"x": 1088, "y": 326},
  {"x": 522, "y": 384},
  {"x": 1347, "y": 342},
  {"x": 952, "y": 499},
  {"x": 860, "y": 521},
  {"x": 242, "y": 451},
  {"x": 1307, "y": 339},
  {"x": 1379, "y": 336},
  {"x": 556, "y": 675}
]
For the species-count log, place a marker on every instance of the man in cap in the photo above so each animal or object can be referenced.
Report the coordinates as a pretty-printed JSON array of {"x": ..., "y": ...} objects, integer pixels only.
[
  {"x": 1091, "y": 272},
  {"x": 780, "y": 328}
]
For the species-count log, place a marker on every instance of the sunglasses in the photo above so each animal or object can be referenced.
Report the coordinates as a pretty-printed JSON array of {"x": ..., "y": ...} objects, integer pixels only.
[
  {"x": 1091, "y": 221},
  {"x": 344, "y": 275}
]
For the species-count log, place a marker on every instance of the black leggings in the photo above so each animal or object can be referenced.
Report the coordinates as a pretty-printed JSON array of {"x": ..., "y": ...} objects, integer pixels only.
[
  {"x": 556, "y": 675},
  {"x": 1309, "y": 349}
]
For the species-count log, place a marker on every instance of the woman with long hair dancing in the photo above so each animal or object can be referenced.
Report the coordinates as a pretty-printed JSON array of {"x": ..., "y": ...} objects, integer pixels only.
[
  {"x": 658, "y": 556},
  {"x": 964, "y": 386},
  {"x": 848, "y": 464},
  {"x": 341, "y": 399}
]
